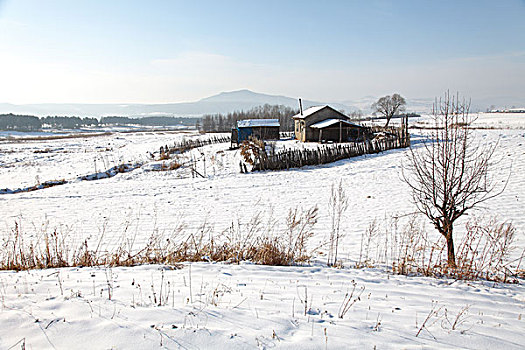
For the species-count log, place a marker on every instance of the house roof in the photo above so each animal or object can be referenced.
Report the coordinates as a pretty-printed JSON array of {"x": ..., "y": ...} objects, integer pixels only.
[
  {"x": 248, "y": 123},
  {"x": 312, "y": 110},
  {"x": 329, "y": 122},
  {"x": 308, "y": 112}
]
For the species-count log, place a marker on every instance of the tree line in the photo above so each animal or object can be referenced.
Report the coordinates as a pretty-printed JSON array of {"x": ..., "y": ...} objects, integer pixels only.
[
  {"x": 32, "y": 123},
  {"x": 20, "y": 122},
  {"x": 149, "y": 121},
  {"x": 225, "y": 122}
]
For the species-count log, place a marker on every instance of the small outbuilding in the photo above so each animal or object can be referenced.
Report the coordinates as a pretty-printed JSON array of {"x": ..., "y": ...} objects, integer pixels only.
[
  {"x": 323, "y": 123},
  {"x": 261, "y": 129}
]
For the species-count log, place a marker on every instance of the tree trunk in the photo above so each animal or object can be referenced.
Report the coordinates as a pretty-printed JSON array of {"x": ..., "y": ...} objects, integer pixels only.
[
  {"x": 388, "y": 117},
  {"x": 451, "y": 257}
]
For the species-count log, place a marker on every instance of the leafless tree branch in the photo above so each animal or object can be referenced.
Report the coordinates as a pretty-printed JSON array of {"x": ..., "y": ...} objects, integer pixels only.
[{"x": 450, "y": 174}]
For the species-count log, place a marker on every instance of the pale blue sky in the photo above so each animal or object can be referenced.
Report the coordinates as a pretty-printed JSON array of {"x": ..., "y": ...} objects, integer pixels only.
[{"x": 171, "y": 51}]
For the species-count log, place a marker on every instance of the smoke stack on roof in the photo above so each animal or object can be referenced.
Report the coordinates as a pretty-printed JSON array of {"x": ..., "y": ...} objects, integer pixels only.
[{"x": 301, "y": 106}]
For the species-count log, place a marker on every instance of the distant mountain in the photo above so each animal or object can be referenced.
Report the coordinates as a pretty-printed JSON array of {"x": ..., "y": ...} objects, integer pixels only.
[
  {"x": 253, "y": 99},
  {"x": 224, "y": 102},
  {"x": 249, "y": 96}
]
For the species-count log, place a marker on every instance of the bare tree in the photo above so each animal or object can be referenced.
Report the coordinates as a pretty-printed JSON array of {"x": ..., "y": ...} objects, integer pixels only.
[
  {"x": 389, "y": 105},
  {"x": 449, "y": 174}
]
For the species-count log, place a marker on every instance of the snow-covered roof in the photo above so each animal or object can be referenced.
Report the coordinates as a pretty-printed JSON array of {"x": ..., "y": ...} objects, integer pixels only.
[
  {"x": 247, "y": 123},
  {"x": 309, "y": 111},
  {"x": 328, "y": 122}
]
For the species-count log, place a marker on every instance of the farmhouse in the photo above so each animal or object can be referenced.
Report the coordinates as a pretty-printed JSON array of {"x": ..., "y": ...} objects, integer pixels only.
[
  {"x": 323, "y": 123},
  {"x": 262, "y": 129}
]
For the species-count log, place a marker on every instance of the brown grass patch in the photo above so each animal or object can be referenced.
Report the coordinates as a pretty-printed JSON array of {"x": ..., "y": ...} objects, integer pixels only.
[{"x": 250, "y": 241}]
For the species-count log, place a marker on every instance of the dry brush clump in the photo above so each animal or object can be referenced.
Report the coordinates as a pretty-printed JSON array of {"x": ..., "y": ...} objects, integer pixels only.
[
  {"x": 49, "y": 250},
  {"x": 253, "y": 151},
  {"x": 486, "y": 250},
  {"x": 414, "y": 251},
  {"x": 483, "y": 253},
  {"x": 252, "y": 241},
  {"x": 169, "y": 166}
]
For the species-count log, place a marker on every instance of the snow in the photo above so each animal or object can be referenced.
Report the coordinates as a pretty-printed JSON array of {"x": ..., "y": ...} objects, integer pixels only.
[
  {"x": 328, "y": 122},
  {"x": 485, "y": 120},
  {"x": 257, "y": 122},
  {"x": 308, "y": 112},
  {"x": 216, "y": 305},
  {"x": 247, "y": 306}
]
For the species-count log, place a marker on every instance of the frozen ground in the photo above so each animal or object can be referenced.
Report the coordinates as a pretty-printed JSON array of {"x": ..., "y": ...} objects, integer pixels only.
[{"x": 244, "y": 306}]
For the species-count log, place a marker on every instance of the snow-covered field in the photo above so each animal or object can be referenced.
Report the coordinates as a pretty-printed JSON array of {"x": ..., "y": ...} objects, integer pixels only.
[
  {"x": 246, "y": 306},
  {"x": 491, "y": 120},
  {"x": 205, "y": 305}
]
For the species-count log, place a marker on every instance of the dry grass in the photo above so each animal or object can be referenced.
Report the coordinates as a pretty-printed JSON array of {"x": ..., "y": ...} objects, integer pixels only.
[
  {"x": 252, "y": 150},
  {"x": 483, "y": 252},
  {"x": 250, "y": 241},
  {"x": 337, "y": 206},
  {"x": 164, "y": 154},
  {"x": 172, "y": 165},
  {"x": 369, "y": 239}
]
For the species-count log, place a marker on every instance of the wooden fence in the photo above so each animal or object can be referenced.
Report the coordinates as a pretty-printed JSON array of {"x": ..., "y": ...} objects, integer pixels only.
[
  {"x": 388, "y": 139},
  {"x": 186, "y": 145}
]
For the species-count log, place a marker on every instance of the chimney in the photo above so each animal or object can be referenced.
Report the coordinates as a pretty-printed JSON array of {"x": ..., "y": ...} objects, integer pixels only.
[{"x": 301, "y": 106}]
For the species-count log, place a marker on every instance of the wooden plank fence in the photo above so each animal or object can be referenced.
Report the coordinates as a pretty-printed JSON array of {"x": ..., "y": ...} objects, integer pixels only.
[
  {"x": 186, "y": 145},
  {"x": 392, "y": 138}
]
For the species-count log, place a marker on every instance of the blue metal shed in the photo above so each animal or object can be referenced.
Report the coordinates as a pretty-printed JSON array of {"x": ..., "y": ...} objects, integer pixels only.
[{"x": 262, "y": 129}]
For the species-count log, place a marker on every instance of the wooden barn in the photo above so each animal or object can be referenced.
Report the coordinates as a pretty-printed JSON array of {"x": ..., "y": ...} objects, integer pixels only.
[
  {"x": 323, "y": 123},
  {"x": 262, "y": 129}
]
